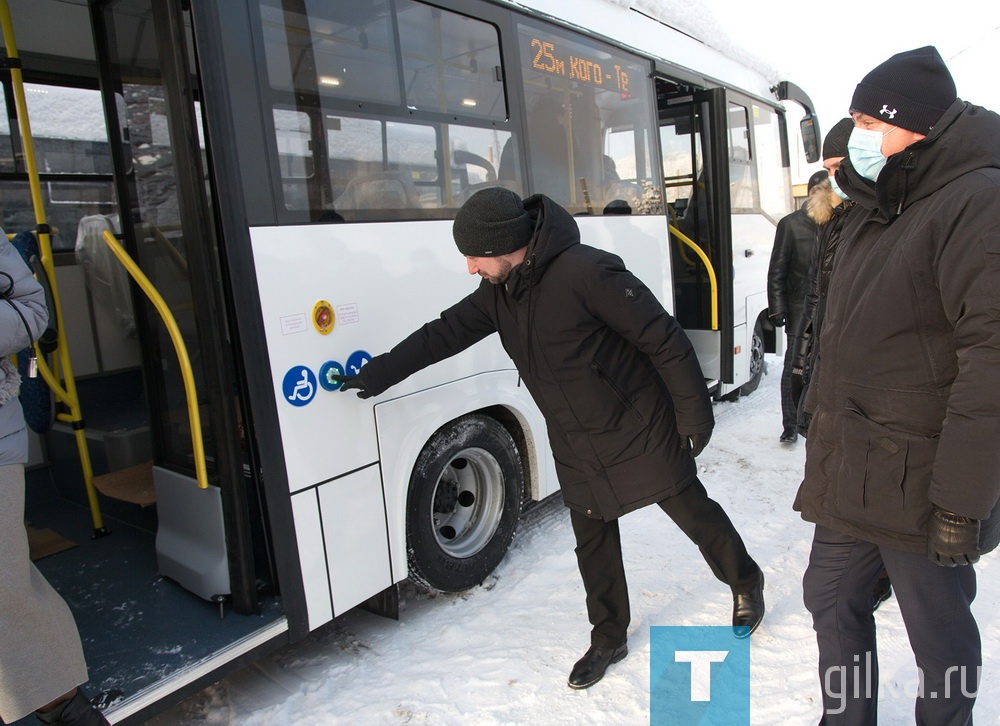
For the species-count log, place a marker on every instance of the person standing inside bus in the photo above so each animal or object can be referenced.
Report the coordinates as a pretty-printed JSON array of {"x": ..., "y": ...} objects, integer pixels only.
[
  {"x": 902, "y": 465},
  {"x": 41, "y": 657},
  {"x": 795, "y": 242},
  {"x": 617, "y": 380}
]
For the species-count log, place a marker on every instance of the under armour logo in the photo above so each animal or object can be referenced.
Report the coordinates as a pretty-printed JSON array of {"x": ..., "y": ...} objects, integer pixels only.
[
  {"x": 887, "y": 112},
  {"x": 629, "y": 292}
]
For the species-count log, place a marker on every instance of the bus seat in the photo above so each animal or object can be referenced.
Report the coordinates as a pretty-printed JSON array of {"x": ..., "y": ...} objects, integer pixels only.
[
  {"x": 385, "y": 190},
  {"x": 106, "y": 277},
  {"x": 463, "y": 195}
]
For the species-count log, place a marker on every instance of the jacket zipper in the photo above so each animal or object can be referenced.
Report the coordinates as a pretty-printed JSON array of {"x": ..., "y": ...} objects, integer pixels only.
[{"x": 617, "y": 391}]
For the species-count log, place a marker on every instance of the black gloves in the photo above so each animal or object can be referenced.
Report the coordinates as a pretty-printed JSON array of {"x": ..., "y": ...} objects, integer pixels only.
[
  {"x": 355, "y": 383},
  {"x": 779, "y": 319},
  {"x": 695, "y": 443},
  {"x": 952, "y": 539}
]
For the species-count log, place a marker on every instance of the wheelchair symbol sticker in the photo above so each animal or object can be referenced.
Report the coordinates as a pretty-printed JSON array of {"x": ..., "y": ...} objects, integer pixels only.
[{"x": 299, "y": 386}]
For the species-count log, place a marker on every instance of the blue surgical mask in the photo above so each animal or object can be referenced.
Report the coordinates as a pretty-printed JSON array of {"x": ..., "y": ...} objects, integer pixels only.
[
  {"x": 865, "y": 149},
  {"x": 836, "y": 188}
]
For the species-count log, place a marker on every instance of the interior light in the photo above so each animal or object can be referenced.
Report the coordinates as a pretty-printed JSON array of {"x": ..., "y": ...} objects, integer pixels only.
[
  {"x": 329, "y": 81},
  {"x": 470, "y": 102}
]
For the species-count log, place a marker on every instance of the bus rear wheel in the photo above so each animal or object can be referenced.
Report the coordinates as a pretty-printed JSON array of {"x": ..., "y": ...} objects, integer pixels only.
[
  {"x": 463, "y": 504},
  {"x": 756, "y": 361}
]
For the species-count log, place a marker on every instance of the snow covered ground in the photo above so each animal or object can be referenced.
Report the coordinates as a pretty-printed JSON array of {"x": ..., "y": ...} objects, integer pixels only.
[{"x": 501, "y": 653}]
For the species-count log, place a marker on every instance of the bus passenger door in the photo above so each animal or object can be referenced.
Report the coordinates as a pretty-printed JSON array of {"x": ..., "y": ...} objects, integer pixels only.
[
  {"x": 693, "y": 140},
  {"x": 151, "y": 102}
]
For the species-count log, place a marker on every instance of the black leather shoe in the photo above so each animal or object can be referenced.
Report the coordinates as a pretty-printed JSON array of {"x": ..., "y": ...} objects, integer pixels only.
[
  {"x": 75, "y": 711},
  {"x": 788, "y": 436},
  {"x": 748, "y": 610},
  {"x": 882, "y": 590},
  {"x": 590, "y": 668}
]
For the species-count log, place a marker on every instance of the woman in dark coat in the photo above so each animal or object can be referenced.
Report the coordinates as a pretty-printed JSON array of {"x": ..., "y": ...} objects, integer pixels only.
[{"x": 619, "y": 385}]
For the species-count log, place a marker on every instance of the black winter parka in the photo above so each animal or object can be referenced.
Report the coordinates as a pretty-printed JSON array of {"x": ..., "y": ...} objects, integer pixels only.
[
  {"x": 614, "y": 375},
  {"x": 907, "y": 401},
  {"x": 795, "y": 240}
]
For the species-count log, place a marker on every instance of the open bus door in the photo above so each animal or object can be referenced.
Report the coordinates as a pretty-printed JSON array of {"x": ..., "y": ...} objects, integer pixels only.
[
  {"x": 204, "y": 539},
  {"x": 693, "y": 140}
]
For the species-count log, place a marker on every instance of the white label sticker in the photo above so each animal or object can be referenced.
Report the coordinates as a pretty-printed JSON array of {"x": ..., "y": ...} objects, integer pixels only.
[
  {"x": 291, "y": 324},
  {"x": 347, "y": 314}
]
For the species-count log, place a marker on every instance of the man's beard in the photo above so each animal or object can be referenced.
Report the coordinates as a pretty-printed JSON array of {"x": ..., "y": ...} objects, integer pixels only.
[{"x": 501, "y": 277}]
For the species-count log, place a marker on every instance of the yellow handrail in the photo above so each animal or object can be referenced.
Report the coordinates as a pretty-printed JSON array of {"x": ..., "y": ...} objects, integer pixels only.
[
  {"x": 67, "y": 395},
  {"x": 708, "y": 266},
  {"x": 182, "y": 354}
]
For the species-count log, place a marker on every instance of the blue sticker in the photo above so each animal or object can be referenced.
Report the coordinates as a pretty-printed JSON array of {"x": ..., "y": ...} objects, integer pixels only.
[
  {"x": 299, "y": 386},
  {"x": 330, "y": 368},
  {"x": 357, "y": 359},
  {"x": 698, "y": 675}
]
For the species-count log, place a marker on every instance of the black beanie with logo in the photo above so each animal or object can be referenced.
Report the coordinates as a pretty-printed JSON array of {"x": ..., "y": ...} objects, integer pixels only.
[
  {"x": 492, "y": 222},
  {"x": 911, "y": 90}
]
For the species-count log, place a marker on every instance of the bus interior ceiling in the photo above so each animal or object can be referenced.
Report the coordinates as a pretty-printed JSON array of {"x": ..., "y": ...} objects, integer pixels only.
[{"x": 137, "y": 627}]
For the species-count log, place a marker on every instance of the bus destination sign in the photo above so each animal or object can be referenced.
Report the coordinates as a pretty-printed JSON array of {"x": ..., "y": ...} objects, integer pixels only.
[{"x": 548, "y": 57}]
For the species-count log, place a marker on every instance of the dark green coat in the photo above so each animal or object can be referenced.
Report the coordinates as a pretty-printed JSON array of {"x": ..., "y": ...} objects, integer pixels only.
[{"x": 612, "y": 372}]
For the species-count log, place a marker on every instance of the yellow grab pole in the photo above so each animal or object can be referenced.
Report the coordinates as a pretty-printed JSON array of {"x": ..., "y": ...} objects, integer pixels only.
[
  {"x": 182, "y": 355},
  {"x": 67, "y": 396},
  {"x": 711, "y": 273}
]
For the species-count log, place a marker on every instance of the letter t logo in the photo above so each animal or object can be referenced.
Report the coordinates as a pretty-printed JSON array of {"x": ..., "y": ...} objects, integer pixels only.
[{"x": 701, "y": 670}]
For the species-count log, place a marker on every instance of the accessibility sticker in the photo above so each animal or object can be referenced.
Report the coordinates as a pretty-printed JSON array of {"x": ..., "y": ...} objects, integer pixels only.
[{"x": 299, "y": 386}]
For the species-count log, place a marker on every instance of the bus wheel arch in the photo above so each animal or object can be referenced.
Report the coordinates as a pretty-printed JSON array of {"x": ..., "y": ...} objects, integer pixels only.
[{"x": 463, "y": 503}]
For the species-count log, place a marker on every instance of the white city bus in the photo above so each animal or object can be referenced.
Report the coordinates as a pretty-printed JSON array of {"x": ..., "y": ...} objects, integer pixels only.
[{"x": 285, "y": 173}]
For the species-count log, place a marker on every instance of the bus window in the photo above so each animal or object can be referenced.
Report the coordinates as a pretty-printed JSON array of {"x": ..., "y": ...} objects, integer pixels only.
[
  {"x": 6, "y": 139},
  {"x": 590, "y": 115},
  {"x": 345, "y": 49},
  {"x": 433, "y": 141},
  {"x": 772, "y": 176},
  {"x": 75, "y": 163},
  {"x": 451, "y": 63},
  {"x": 742, "y": 187}
]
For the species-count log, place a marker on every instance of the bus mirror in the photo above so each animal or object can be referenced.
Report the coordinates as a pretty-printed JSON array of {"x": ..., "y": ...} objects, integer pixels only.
[{"x": 809, "y": 127}]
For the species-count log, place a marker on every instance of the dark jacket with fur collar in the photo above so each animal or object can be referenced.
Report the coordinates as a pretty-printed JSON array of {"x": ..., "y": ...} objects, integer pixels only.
[
  {"x": 907, "y": 402},
  {"x": 612, "y": 372}
]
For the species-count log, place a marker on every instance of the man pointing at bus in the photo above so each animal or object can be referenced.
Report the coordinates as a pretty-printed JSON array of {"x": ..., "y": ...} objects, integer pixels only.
[{"x": 617, "y": 380}]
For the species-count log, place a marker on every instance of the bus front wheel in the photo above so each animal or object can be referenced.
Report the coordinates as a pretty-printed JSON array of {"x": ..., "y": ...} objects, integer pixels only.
[{"x": 463, "y": 504}]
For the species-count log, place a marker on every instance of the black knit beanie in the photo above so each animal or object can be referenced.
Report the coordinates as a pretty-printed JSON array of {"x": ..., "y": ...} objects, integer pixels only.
[
  {"x": 835, "y": 143},
  {"x": 492, "y": 222},
  {"x": 817, "y": 178},
  {"x": 912, "y": 90}
]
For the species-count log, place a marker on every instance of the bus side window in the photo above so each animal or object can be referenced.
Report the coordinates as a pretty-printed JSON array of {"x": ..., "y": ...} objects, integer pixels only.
[
  {"x": 589, "y": 111},
  {"x": 772, "y": 176},
  {"x": 742, "y": 180}
]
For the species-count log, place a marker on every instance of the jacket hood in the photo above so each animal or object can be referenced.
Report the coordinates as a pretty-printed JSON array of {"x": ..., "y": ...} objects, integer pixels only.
[
  {"x": 555, "y": 231},
  {"x": 821, "y": 202},
  {"x": 964, "y": 140}
]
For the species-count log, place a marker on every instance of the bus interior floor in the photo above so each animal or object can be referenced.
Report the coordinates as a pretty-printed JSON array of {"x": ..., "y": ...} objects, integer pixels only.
[{"x": 136, "y": 626}]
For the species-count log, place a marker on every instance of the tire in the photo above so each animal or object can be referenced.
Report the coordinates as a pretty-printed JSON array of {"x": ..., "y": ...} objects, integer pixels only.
[
  {"x": 756, "y": 361},
  {"x": 463, "y": 504}
]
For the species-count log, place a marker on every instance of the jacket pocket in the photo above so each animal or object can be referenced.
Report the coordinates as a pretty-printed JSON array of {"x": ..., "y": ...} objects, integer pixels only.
[
  {"x": 607, "y": 380},
  {"x": 884, "y": 475}
]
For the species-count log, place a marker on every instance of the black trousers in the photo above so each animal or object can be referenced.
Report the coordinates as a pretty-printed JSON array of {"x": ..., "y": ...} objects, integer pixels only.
[
  {"x": 935, "y": 604},
  {"x": 789, "y": 412},
  {"x": 599, "y": 555}
]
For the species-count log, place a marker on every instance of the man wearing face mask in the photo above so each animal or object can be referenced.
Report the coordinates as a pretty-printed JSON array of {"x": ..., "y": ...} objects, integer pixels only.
[{"x": 902, "y": 463}]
